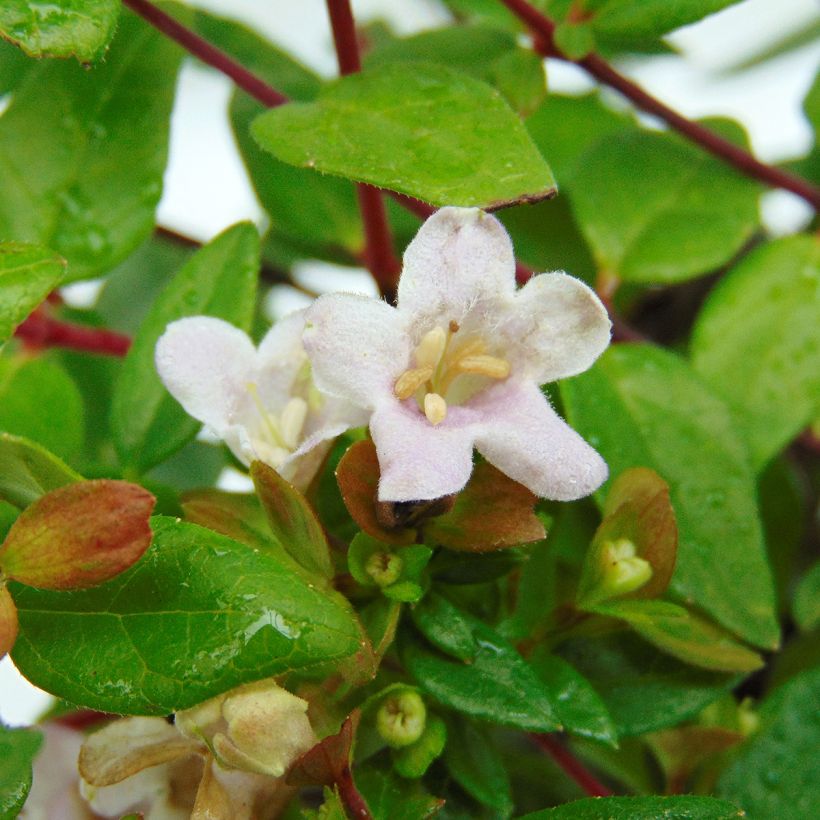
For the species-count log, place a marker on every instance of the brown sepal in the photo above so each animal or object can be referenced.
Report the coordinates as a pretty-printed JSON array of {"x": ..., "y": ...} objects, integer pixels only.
[{"x": 326, "y": 763}]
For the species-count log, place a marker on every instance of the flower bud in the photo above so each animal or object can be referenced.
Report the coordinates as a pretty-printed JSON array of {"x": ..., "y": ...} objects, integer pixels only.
[
  {"x": 401, "y": 718},
  {"x": 623, "y": 571},
  {"x": 384, "y": 568},
  {"x": 259, "y": 728}
]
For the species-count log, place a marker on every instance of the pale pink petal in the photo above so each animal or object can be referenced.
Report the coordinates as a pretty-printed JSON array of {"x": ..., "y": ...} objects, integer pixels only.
[
  {"x": 556, "y": 327},
  {"x": 280, "y": 358},
  {"x": 205, "y": 363},
  {"x": 357, "y": 345},
  {"x": 459, "y": 259},
  {"x": 418, "y": 461},
  {"x": 526, "y": 439}
]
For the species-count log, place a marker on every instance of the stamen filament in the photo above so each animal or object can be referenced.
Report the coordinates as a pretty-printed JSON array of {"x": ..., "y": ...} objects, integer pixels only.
[
  {"x": 292, "y": 421},
  {"x": 269, "y": 422}
]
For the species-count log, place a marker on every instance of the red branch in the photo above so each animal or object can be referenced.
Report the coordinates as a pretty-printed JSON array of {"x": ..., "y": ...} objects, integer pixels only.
[
  {"x": 378, "y": 254},
  {"x": 571, "y": 765},
  {"x": 351, "y": 797},
  {"x": 41, "y": 330},
  {"x": 711, "y": 142}
]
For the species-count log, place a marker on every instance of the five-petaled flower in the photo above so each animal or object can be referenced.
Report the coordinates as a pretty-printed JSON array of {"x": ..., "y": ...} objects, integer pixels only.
[
  {"x": 459, "y": 362},
  {"x": 261, "y": 402}
]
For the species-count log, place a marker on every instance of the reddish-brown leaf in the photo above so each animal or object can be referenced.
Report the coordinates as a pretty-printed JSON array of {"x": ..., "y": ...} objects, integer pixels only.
[
  {"x": 79, "y": 535},
  {"x": 326, "y": 762},
  {"x": 492, "y": 512},
  {"x": 8, "y": 622},
  {"x": 358, "y": 477}
]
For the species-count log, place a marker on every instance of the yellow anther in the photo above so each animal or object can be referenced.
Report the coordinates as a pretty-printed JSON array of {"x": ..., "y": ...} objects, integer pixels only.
[
  {"x": 430, "y": 348},
  {"x": 435, "y": 408},
  {"x": 292, "y": 421},
  {"x": 490, "y": 366},
  {"x": 410, "y": 381}
]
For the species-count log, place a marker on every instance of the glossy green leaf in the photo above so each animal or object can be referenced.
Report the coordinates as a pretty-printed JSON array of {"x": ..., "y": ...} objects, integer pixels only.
[
  {"x": 388, "y": 795},
  {"x": 18, "y": 747},
  {"x": 642, "y": 406},
  {"x": 40, "y": 401},
  {"x": 292, "y": 520},
  {"x": 27, "y": 275},
  {"x": 14, "y": 66},
  {"x": 656, "y": 209},
  {"x": 642, "y": 688},
  {"x": 476, "y": 765},
  {"x": 684, "y": 807},
  {"x": 432, "y": 133},
  {"x": 28, "y": 471},
  {"x": 683, "y": 634},
  {"x": 757, "y": 342},
  {"x": 774, "y": 774},
  {"x": 414, "y": 760},
  {"x": 83, "y": 151},
  {"x": 64, "y": 28},
  {"x": 806, "y": 607},
  {"x": 199, "y": 614},
  {"x": 219, "y": 280},
  {"x": 579, "y": 707},
  {"x": 484, "y": 676}
]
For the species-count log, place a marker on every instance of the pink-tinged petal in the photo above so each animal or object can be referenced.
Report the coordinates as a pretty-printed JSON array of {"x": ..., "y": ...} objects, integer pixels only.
[
  {"x": 526, "y": 439},
  {"x": 206, "y": 364},
  {"x": 555, "y": 328},
  {"x": 460, "y": 258},
  {"x": 357, "y": 345},
  {"x": 280, "y": 358},
  {"x": 418, "y": 461}
]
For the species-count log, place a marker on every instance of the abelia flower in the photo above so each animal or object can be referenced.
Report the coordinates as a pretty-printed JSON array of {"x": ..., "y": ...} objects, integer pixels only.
[
  {"x": 261, "y": 402},
  {"x": 458, "y": 364}
]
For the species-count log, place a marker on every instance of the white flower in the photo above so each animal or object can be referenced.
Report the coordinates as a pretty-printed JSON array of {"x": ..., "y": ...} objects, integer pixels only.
[
  {"x": 459, "y": 362},
  {"x": 261, "y": 402}
]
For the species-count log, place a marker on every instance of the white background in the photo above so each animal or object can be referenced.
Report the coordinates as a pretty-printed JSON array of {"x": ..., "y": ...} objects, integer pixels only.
[{"x": 206, "y": 188}]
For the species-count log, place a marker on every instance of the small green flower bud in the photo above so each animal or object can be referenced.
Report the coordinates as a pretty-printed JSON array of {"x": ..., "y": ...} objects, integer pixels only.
[
  {"x": 623, "y": 571},
  {"x": 401, "y": 718},
  {"x": 384, "y": 568}
]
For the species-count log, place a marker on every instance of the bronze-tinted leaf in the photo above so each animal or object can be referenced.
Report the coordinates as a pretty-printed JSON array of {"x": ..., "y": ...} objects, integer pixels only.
[
  {"x": 491, "y": 513},
  {"x": 358, "y": 477},
  {"x": 327, "y": 762},
  {"x": 292, "y": 520},
  {"x": 79, "y": 535},
  {"x": 8, "y": 622}
]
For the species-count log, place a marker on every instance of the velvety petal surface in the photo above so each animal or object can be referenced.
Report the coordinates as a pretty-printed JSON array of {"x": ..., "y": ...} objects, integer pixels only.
[
  {"x": 280, "y": 358},
  {"x": 555, "y": 328},
  {"x": 460, "y": 258},
  {"x": 526, "y": 439},
  {"x": 206, "y": 364},
  {"x": 417, "y": 460},
  {"x": 358, "y": 347}
]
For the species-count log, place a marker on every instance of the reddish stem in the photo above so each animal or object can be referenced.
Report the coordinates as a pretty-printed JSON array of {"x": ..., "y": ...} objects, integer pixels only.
[
  {"x": 603, "y": 71},
  {"x": 571, "y": 765},
  {"x": 43, "y": 331},
  {"x": 378, "y": 254},
  {"x": 351, "y": 796},
  {"x": 208, "y": 53}
]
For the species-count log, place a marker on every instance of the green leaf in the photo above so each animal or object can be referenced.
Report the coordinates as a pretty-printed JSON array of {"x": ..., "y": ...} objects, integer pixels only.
[
  {"x": 414, "y": 760},
  {"x": 18, "y": 747},
  {"x": 579, "y": 707},
  {"x": 683, "y": 634},
  {"x": 63, "y": 28},
  {"x": 218, "y": 280},
  {"x": 775, "y": 773},
  {"x": 8, "y": 621},
  {"x": 198, "y": 615},
  {"x": 475, "y": 764},
  {"x": 643, "y": 689},
  {"x": 388, "y": 795},
  {"x": 432, "y": 133},
  {"x": 642, "y": 406},
  {"x": 757, "y": 342},
  {"x": 656, "y": 209},
  {"x": 14, "y": 66},
  {"x": 685, "y": 807},
  {"x": 40, "y": 401},
  {"x": 28, "y": 471},
  {"x": 27, "y": 275},
  {"x": 486, "y": 678},
  {"x": 806, "y": 607},
  {"x": 292, "y": 520},
  {"x": 83, "y": 151}
]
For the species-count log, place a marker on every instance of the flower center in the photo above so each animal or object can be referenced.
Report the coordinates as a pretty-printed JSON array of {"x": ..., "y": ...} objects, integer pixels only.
[
  {"x": 439, "y": 361},
  {"x": 278, "y": 434}
]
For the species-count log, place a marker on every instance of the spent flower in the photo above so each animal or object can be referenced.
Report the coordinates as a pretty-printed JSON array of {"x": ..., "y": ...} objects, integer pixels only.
[{"x": 459, "y": 362}]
